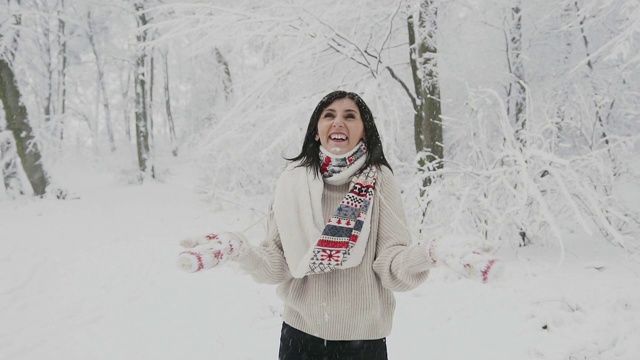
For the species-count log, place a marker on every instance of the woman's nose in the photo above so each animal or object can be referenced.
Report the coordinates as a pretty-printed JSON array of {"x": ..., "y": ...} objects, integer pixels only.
[{"x": 339, "y": 121}]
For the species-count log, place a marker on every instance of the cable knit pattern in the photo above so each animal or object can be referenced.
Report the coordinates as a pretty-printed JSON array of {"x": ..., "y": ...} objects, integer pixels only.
[{"x": 355, "y": 303}]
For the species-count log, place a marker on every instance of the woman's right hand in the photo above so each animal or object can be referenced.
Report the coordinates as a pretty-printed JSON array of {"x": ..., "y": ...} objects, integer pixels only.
[{"x": 209, "y": 251}]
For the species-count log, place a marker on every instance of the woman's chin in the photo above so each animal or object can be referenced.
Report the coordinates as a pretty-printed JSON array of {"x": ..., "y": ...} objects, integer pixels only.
[{"x": 337, "y": 150}]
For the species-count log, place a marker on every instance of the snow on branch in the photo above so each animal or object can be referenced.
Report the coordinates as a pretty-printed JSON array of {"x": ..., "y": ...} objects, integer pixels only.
[{"x": 518, "y": 194}]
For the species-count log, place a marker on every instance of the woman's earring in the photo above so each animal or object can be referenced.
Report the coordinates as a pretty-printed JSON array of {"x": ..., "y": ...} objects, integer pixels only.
[{"x": 317, "y": 137}]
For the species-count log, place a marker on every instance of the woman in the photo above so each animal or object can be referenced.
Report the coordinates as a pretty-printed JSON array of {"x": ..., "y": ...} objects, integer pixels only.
[{"x": 338, "y": 245}]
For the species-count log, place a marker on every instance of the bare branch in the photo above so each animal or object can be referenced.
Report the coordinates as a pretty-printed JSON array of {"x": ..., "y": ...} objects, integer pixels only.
[
  {"x": 340, "y": 36},
  {"x": 405, "y": 87},
  {"x": 350, "y": 57},
  {"x": 388, "y": 36}
]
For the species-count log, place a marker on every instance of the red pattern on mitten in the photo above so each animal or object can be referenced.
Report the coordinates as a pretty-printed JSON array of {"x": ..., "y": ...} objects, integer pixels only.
[
  {"x": 209, "y": 251},
  {"x": 481, "y": 266},
  {"x": 466, "y": 256}
]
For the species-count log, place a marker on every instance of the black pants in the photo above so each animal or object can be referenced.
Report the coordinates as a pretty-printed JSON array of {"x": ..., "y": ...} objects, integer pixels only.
[{"x": 298, "y": 345}]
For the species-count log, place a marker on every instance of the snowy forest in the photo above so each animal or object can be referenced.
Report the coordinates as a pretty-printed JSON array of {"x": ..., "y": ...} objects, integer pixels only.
[{"x": 515, "y": 121}]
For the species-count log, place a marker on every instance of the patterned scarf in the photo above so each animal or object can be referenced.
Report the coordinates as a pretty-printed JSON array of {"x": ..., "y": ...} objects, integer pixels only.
[
  {"x": 311, "y": 245},
  {"x": 340, "y": 236}
]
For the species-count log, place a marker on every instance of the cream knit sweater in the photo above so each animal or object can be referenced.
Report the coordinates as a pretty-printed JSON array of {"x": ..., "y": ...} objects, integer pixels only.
[{"x": 350, "y": 304}]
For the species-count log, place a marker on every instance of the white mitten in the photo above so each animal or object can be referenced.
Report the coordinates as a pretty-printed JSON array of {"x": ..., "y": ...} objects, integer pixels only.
[
  {"x": 481, "y": 266},
  {"x": 208, "y": 251},
  {"x": 468, "y": 256}
]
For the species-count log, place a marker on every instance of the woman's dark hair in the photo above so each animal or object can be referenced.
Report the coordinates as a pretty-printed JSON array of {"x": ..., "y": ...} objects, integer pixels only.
[{"x": 310, "y": 154}]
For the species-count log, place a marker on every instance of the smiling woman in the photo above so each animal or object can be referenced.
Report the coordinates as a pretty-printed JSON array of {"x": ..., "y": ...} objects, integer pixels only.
[
  {"x": 338, "y": 245},
  {"x": 321, "y": 126},
  {"x": 340, "y": 127}
]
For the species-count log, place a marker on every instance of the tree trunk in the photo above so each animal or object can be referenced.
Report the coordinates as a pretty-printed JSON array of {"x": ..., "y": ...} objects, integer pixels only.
[
  {"x": 226, "y": 77},
  {"x": 126, "y": 102},
  {"x": 150, "y": 75},
  {"x": 428, "y": 135},
  {"x": 48, "y": 60},
  {"x": 167, "y": 103},
  {"x": 101, "y": 84},
  {"x": 62, "y": 74},
  {"x": 10, "y": 166},
  {"x": 17, "y": 122},
  {"x": 599, "y": 105},
  {"x": 562, "y": 96},
  {"x": 145, "y": 164},
  {"x": 517, "y": 91}
]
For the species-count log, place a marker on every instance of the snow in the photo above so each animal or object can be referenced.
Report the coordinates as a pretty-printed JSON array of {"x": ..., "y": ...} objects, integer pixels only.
[{"x": 94, "y": 277}]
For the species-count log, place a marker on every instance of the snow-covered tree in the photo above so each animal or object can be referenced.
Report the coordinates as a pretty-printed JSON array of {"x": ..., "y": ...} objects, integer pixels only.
[
  {"x": 16, "y": 115},
  {"x": 525, "y": 157},
  {"x": 422, "y": 29}
]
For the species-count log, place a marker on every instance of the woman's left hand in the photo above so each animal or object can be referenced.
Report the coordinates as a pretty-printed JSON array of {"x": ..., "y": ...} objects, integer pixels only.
[{"x": 467, "y": 256}]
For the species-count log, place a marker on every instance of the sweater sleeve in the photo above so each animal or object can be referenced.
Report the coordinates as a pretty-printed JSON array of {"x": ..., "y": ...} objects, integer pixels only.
[
  {"x": 266, "y": 263},
  {"x": 401, "y": 265}
]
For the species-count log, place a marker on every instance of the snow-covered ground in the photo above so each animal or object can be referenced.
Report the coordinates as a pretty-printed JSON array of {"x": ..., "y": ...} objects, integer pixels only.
[{"x": 95, "y": 278}]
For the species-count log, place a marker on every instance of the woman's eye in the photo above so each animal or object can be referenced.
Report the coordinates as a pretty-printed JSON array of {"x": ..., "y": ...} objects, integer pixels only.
[{"x": 328, "y": 115}]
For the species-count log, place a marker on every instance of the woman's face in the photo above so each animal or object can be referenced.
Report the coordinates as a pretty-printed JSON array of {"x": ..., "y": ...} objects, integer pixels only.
[{"x": 340, "y": 126}]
